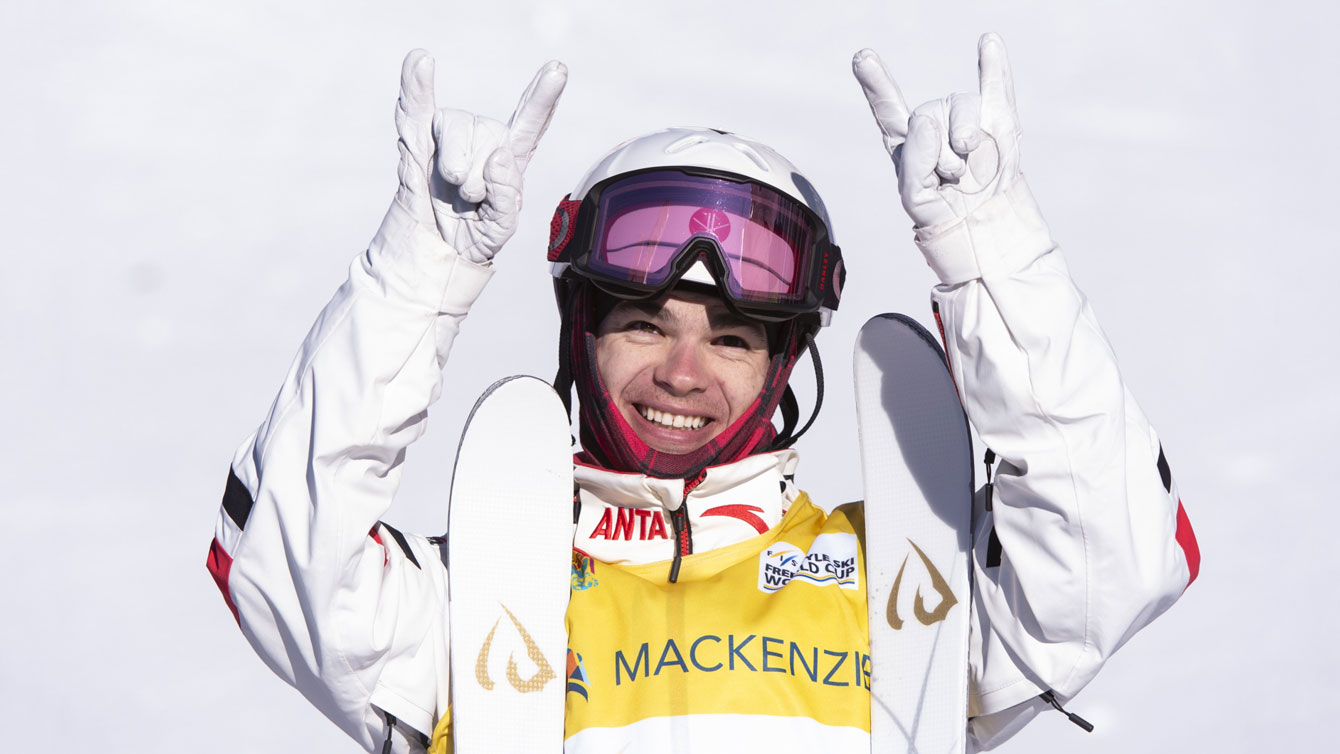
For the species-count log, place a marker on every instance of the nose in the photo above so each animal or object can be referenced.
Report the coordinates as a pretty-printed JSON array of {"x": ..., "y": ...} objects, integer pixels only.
[{"x": 683, "y": 370}]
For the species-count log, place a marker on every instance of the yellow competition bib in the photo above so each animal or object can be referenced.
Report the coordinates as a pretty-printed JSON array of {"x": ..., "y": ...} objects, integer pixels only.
[{"x": 775, "y": 626}]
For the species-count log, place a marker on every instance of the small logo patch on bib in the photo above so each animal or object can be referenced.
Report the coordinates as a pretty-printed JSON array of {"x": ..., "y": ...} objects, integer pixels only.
[{"x": 831, "y": 560}]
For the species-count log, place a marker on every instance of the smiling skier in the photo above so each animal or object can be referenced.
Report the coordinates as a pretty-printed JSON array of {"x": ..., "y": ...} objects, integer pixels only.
[{"x": 693, "y": 269}]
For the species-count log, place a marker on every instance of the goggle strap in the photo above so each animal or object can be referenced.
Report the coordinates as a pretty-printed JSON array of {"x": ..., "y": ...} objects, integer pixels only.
[
  {"x": 562, "y": 227},
  {"x": 832, "y": 277}
]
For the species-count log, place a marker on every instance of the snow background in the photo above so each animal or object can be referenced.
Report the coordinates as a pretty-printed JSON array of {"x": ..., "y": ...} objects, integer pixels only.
[{"x": 183, "y": 185}]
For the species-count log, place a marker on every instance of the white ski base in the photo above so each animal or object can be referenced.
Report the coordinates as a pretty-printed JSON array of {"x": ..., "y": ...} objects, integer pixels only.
[
  {"x": 916, "y": 459},
  {"x": 509, "y": 558}
]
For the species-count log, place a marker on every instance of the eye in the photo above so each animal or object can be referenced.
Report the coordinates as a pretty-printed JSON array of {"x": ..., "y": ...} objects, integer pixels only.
[
  {"x": 732, "y": 341},
  {"x": 641, "y": 325}
]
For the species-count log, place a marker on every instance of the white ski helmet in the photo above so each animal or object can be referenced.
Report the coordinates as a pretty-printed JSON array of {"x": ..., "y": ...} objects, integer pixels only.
[{"x": 706, "y": 147}]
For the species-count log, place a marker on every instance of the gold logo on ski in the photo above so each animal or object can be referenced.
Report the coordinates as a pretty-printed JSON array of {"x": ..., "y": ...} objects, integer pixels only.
[
  {"x": 925, "y": 617},
  {"x": 543, "y": 673}
]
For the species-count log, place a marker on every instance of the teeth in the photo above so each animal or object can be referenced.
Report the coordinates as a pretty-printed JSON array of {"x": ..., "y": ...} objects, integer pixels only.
[{"x": 675, "y": 421}]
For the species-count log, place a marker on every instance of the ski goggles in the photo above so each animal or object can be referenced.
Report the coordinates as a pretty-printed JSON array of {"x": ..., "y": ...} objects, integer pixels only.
[{"x": 636, "y": 235}]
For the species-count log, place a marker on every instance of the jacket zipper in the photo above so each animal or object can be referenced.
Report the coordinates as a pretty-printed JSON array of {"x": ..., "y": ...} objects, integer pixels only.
[
  {"x": 679, "y": 524},
  {"x": 989, "y": 459},
  {"x": 1049, "y": 697}
]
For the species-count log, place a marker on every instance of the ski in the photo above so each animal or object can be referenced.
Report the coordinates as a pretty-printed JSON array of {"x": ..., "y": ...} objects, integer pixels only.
[
  {"x": 509, "y": 554},
  {"x": 916, "y": 460}
]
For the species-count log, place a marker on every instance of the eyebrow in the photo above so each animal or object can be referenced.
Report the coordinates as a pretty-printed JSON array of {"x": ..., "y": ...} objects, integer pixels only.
[
  {"x": 718, "y": 318},
  {"x": 725, "y": 319}
]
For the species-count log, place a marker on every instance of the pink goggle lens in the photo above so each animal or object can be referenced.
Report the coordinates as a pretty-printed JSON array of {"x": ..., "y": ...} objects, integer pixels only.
[{"x": 647, "y": 222}]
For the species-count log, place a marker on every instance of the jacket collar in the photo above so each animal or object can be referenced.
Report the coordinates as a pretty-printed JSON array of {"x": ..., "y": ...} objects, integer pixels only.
[{"x": 625, "y": 518}]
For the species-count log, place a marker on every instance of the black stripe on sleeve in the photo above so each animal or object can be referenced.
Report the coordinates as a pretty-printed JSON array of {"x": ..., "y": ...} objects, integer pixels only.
[
  {"x": 1165, "y": 471},
  {"x": 404, "y": 544},
  {"x": 237, "y": 500}
]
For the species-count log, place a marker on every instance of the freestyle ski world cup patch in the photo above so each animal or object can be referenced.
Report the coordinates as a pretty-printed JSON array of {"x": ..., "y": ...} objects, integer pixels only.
[{"x": 830, "y": 560}]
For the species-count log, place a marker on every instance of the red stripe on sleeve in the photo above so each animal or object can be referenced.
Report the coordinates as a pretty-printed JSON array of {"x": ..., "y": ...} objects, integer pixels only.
[
  {"x": 377, "y": 537},
  {"x": 220, "y": 564},
  {"x": 940, "y": 325},
  {"x": 1187, "y": 540}
]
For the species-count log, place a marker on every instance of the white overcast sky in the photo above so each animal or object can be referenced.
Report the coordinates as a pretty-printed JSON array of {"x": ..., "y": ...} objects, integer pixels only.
[{"x": 182, "y": 186}]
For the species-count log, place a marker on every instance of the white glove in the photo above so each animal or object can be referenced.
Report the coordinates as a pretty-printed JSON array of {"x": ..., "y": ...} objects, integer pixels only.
[
  {"x": 472, "y": 200},
  {"x": 954, "y": 154}
]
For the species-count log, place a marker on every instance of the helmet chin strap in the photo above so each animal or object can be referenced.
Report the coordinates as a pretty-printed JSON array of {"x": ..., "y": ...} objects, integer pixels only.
[{"x": 791, "y": 407}]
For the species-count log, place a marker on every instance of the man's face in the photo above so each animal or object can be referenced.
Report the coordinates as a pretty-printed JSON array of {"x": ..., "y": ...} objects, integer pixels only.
[{"x": 680, "y": 369}]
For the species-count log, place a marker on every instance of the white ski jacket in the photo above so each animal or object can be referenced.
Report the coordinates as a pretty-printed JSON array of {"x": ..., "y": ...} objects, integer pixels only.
[{"x": 1085, "y": 541}]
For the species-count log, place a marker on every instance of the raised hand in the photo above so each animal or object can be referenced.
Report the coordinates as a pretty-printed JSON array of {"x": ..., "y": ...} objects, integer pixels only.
[
  {"x": 462, "y": 173},
  {"x": 951, "y": 154}
]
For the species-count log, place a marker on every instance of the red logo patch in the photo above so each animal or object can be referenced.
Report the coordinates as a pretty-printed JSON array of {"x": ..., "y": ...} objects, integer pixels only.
[
  {"x": 713, "y": 222},
  {"x": 745, "y": 513}
]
